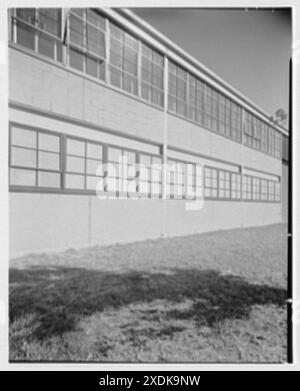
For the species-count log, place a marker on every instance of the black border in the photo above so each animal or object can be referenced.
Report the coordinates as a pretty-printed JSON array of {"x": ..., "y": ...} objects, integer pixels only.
[{"x": 290, "y": 225}]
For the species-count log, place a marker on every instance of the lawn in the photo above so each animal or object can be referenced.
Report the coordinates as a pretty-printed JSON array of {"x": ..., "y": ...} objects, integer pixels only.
[{"x": 215, "y": 297}]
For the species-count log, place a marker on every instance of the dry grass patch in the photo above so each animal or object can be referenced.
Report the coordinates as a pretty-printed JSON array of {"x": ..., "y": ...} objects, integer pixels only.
[{"x": 202, "y": 298}]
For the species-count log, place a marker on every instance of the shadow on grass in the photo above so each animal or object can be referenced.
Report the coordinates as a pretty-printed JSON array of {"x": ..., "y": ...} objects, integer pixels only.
[{"x": 59, "y": 296}]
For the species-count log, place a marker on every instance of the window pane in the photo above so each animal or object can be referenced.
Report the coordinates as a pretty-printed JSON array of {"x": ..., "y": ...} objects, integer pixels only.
[
  {"x": 74, "y": 181},
  {"x": 49, "y": 142},
  {"x": 94, "y": 167},
  {"x": 75, "y": 164},
  {"x": 23, "y": 137},
  {"x": 144, "y": 187},
  {"x": 76, "y": 59},
  {"x": 25, "y": 36},
  {"x": 76, "y": 30},
  {"x": 78, "y": 11},
  {"x": 91, "y": 66},
  {"x": 48, "y": 179},
  {"x": 95, "y": 41},
  {"x": 130, "y": 84},
  {"x": 114, "y": 154},
  {"x": 75, "y": 147},
  {"x": 23, "y": 157},
  {"x": 50, "y": 20},
  {"x": 115, "y": 77},
  {"x": 27, "y": 14},
  {"x": 93, "y": 17},
  {"x": 94, "y": 151},
  {"x": 48, "y": 160},
  {"x": 20, "y": 177},
  {"x": 93, "y": 182},
  {"x": 46, "y": 45}
]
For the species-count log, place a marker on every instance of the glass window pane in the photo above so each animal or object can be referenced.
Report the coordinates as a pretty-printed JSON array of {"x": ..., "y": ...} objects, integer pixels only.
[
  {"x": 48, "y": 179},
  {"x": 144, "y": 187},
  {"x": 129, "y": 157},
  {"x": 94, "y": 18},
  {"x": 46, "y": 45},
  {"x": 76, "y": 59},
  {"x": 96, "y": 41},
  {"x": 49, "y": 142},
  {"x": 23, "y": 137},
  {"x": 91, "y": 66},
  {"x": 27, "y": 14},
  {"x": 23, "y": 157},
  {"x": 75, "y": 164},
  {"x": 94, "y": 151},
  {"x": 26, "y": 36},
  {"x": 94, "y": 167},
  {"x": 115, "y": 77},
  {"x": 48, "y": 160},
  {"x": 78, "y": 11},
  {"x": 114, "y": 154},
  {"x": 75, "y": 147},
  {"x": 50, "y": 20},
  {"x": 19, "y": 177},
  {"x": 76, "y": 30},
  {"x": 74, "y": 181},
  {"x": 93, "y": 182}
]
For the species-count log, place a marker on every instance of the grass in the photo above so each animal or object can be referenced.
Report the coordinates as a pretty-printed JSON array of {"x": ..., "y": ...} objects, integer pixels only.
[{"x": 217, "y": 297}]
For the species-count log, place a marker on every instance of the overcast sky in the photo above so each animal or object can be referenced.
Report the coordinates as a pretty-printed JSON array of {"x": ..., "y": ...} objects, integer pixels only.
[{"x": 248, "y": 49}]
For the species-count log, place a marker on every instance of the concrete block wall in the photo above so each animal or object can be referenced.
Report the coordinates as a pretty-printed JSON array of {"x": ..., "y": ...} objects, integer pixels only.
[
  {"x": 52, "y": 222},
  {"x": 40, "y": 222}
]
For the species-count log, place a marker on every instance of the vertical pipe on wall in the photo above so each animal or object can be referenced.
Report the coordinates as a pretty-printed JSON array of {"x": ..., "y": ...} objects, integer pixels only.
[
  {"x": 107, "y": 51},
  {"x": 165, "y": 143}
]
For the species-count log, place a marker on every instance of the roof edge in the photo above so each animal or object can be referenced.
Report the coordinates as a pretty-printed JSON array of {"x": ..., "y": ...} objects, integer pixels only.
[{"x": 156, "y": 34}]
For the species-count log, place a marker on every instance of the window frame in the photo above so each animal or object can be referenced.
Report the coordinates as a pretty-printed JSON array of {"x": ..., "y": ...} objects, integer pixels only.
[
  {"x": 37, "y": 32},
  {"x": 36, "y": 169}
]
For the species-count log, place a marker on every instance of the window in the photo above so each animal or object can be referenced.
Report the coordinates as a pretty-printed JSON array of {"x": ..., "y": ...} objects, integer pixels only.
[
  {"x": 191, "y": 107},
  {"x": 152, "y": 76},
  {"x": 255, "y": 189},
  {"x": 214, "y": 110},
  {"x": 271, "y": 191},
  {"x": 227, "y": 117},
  {"x": 87, "y": 42},
  {"x": 177, "y": 89},
  {"x": 256, "y": 142},
  {"x": 123, "y": 60},
  {"x": 264, "y": 137},
  {"x": 224, "y": 184},
  {"x": 150, "y": 175},
  {"x": 277, "y": 191},
  {"x": 264, "y": 189},
  {"x": 34, "y": 158},
  {"x": 177, "y": 178},
  {"x": 207, "y": 107},
  {"x": 236, "y": 122},
  {"x": 184, "y": 180},
  {"x": 235, "y": 186},
  {"x": 39, "y": 29},
  {"x": 211, "y": 182},
  {"x": 193, "y": 181},
  {"x": 247, "y": 187},
  {"x": 278, "y": 145},
  {"x": 221, "y": 114},
  {"x": 121, "y": 172},
  {"x": 84, "y": 169}
]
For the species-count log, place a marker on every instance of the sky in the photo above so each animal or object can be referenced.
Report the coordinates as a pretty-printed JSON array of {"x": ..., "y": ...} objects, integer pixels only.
[{"x": 250, "y": 50}]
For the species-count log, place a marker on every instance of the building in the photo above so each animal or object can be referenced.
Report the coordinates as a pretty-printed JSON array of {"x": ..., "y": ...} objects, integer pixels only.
[{"x": 90, "y": 85}]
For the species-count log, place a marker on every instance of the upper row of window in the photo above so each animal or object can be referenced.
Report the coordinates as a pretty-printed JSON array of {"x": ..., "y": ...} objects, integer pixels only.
[{"x": 105, "y": 51}]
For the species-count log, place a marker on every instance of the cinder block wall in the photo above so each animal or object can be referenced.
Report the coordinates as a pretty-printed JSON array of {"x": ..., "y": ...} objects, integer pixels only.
[{"x": 40, "y": 222}]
